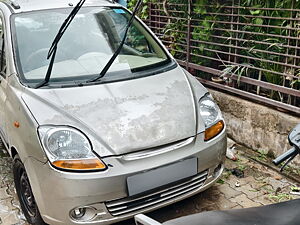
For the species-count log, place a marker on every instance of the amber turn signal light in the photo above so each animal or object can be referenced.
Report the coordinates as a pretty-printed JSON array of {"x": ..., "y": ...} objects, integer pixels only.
[
  {"x": 80, "y": 164},
  {"x": 213, "y": 130}
]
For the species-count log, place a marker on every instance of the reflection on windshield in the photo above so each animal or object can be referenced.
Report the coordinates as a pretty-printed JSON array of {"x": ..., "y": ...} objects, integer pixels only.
[{"x": 87, "y": 45}]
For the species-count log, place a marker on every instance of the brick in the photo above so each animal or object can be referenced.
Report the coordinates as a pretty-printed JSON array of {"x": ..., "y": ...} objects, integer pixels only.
[
  {"x": 228, "y": 191},
  {"x": 249, "y": 191},
  {"x": 225, "y": 204},
  {"x": 263, "y": 199},
  {"x": 276, "y": 183},
  {"x": 248, "y": 180},
  {"x": 244, "y": 201},
  {"x": 231, "y": 181}
]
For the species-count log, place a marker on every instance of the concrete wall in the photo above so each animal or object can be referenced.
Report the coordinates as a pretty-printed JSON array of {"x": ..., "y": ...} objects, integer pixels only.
[{"x": 256, "y": 126}]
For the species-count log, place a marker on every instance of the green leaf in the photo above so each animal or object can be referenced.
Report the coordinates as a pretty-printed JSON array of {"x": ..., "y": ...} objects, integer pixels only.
[
  {"x": 201, "y": 47},
  {"x": 220, "y": 181},
  {"x": 206, "y": 24},
  {"x": 203, "y": 11},
  {"x": 255, "y": 12},
  {"x": 145, "y": 7},
  {"x": 258, "y": 21}
]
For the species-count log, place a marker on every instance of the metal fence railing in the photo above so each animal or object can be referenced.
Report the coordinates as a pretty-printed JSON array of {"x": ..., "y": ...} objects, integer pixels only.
[{"x": 252, "y": 52}]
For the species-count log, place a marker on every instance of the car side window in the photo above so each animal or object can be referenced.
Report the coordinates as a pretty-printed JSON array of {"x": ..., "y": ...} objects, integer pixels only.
[{"x": 2, "y": 50}]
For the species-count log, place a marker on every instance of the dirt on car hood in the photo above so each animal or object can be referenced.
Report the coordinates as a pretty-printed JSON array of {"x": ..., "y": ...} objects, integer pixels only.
[{"x": 122, "y": 117}]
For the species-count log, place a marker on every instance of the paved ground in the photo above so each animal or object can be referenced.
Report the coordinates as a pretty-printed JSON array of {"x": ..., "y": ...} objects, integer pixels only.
[{"x": 259, "y": 186}]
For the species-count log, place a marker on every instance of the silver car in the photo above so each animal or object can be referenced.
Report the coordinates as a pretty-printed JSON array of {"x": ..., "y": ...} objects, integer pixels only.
[{"x": 97, "y": 148}]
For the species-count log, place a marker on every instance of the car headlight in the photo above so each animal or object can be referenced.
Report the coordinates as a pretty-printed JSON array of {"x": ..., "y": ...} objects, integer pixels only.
[
  {"x": 211, "y": 116},
  {"x": 69, "y": 149}
]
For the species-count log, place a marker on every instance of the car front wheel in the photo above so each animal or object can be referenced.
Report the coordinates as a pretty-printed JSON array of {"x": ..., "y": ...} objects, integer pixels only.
[{"x": 25, "y": 194}]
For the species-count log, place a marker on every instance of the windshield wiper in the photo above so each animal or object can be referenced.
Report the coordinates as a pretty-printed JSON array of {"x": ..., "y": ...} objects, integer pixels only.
[
  {"x": 53, "y": 48},
  {"x": 117, "y": 52}
]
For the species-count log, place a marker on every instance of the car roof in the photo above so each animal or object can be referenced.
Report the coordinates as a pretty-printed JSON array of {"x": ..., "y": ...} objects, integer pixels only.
[{"x": 17, "y": 6}]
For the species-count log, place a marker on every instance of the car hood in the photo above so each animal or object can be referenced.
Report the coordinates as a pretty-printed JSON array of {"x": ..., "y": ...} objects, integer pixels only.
[{"x": 122, "y": 117}]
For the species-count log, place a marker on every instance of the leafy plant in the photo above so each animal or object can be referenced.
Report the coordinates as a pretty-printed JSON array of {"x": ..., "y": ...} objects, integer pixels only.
[
  {"x": 236, "y": 69},
  {"x": 280, "y": 197},
  {"x": 144, "y": 11},
  {"x": 176, "y": 39},
  {"x": 249, "y": 40}
]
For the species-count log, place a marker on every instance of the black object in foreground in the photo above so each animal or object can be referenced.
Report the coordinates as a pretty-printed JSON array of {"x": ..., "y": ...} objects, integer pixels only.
[
  {"x": 285, "y": 213},
  {"x": 294, "y": 139}
]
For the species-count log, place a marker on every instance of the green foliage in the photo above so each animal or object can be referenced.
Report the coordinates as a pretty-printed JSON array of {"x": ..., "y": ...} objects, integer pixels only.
[
  {"x": 241, "y": 165},
  {"x": 177, "y": 38},
  {"x": 236, "y": 45},
  {"x": 144, "y": 11},
  {"x": 281, "y": 197},
  {"x": 220, "y": 181},
  {"x": 236, "y": 69}
]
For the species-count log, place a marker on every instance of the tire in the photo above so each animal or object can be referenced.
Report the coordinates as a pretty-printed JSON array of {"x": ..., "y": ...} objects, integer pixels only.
[{"x": 25, "y": 195}]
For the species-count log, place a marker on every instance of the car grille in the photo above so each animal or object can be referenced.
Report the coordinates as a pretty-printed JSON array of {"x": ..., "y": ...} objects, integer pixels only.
[{"x": 132, "y": 204}]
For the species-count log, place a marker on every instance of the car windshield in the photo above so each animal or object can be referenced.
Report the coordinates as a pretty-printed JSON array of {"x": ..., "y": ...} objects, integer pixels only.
[{"x": 86, "y": 47}]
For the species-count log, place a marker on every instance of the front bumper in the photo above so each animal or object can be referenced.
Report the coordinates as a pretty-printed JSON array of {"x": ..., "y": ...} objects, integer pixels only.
[{"x": 57, "y": 192}]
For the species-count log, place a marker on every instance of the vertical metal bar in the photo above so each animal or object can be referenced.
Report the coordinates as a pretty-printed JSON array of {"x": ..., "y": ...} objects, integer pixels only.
[
  {"x": 236, "y": 33},
  {"x": 258, "y": 87},
  {"x": 159, "y": 24},
  {"x": 235, "y": 83},
  {"x": 295, "y": 33},
  {"x": 231, "y": 29},
  {"x": 231, "y": 82},
  {"x": 296, "y": 54},
  {"x": 287, "y": 69},
  {"x": 259, "y": 79},
  {"x": 154, "y": 17},
  {"x": 188, "y": 53},
  {"x": 150, "y": 15}
]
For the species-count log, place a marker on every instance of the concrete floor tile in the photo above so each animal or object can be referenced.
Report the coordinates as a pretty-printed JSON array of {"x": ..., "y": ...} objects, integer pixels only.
[{"x": 244, "y": 201}]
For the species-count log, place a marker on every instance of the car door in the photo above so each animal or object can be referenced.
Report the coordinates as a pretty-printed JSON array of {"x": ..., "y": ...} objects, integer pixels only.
[{"x": 3, "y": 82}]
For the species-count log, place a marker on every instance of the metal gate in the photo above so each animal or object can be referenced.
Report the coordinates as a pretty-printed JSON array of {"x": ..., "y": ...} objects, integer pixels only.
[{"x": 249, "y": 51}]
